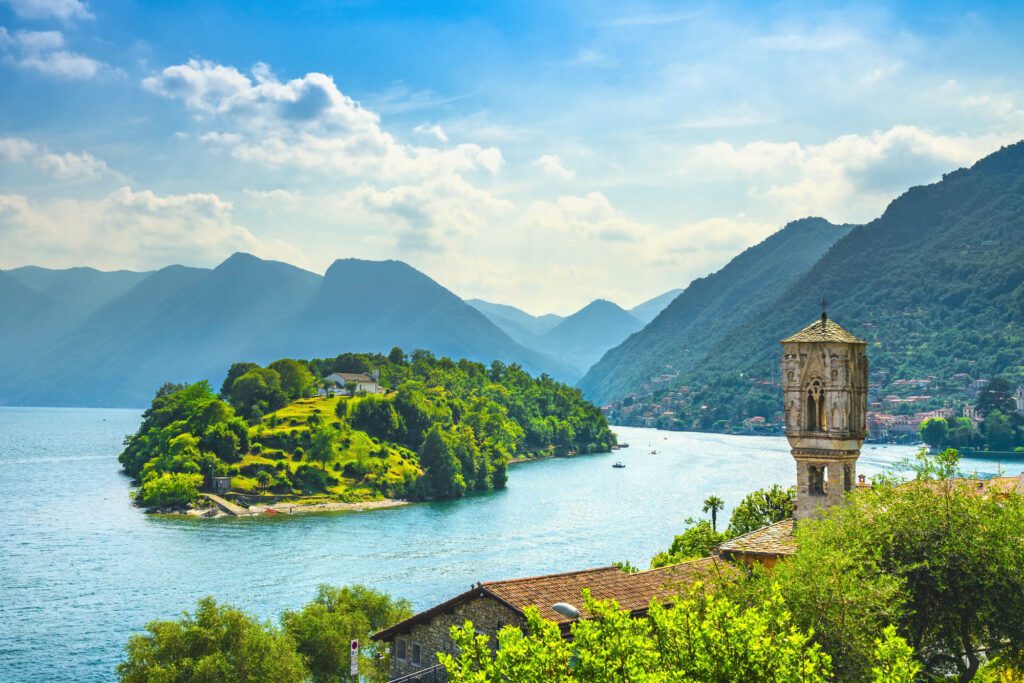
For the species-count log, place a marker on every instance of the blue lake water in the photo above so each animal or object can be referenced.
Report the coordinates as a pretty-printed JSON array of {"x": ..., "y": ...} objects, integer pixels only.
[{"x": 81, "y": 569}]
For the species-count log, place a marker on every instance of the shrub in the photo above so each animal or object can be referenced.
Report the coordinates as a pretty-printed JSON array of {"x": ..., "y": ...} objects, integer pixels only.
[
  {"x": 170, "y": 489},
  {"x": 312, "y": 479},
  {"x": 299, "y": 451}
]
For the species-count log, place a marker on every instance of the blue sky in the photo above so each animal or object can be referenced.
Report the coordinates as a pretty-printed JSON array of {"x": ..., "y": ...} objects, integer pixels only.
[{"x": 536, "y": 154}]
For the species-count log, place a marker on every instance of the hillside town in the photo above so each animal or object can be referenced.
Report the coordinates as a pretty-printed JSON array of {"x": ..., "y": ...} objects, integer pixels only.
[{"x": 896, "y": 407}]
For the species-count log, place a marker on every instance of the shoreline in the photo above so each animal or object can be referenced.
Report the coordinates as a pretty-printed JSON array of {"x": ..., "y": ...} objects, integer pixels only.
[{"x": 217, "y": 511}]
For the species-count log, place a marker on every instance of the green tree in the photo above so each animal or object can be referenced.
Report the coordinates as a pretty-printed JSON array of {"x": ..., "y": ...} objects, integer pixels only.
[
  {"x": 997, "y": 395},
  {"x": 696, "y": 541},
  {"x": 323, "y": 629},
  {"x": 713, "y": 504},
  {"x": 999, "y": 431},
  {"x": 264, "y": 479},
  {"x": 257, "y": 388},
  {"x": 761, "y": 508},
  {"x": 442, "y": 476},
  {"x": 296, "y": 379},
  {"x": 234, "y": 372},
  {"x": 396, "y": 356},
  {"x": 943, "y": 559},
  {"x": 215, "y": 643},
  {"x": 933, "y": 431},
  {"x": 700, "y": 638},
  {"x": 376, "y": 415},
  {"x": 170, "y": 489},
  {"x": 322, "y": 444}
]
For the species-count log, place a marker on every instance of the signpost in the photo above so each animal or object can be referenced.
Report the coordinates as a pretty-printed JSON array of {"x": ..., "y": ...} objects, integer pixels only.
[{"x": 353, "y": 667}]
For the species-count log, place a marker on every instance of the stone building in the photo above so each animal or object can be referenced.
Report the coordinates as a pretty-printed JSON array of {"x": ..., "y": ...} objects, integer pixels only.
[
  {"x": 824, "y": 388},
  {"x": 415, "y": 642}
]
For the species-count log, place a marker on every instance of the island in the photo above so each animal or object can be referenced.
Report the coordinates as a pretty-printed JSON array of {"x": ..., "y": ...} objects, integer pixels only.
[{"x": 357, "y": 431}]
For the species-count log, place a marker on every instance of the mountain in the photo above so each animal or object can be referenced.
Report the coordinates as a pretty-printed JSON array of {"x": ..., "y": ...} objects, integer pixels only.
[
  {"x": 381, "y": 304},
  {"x": 649, "y": 310},
  {"x": 680, "y": 336},
  {"x": 183, "y": 324},
  {"x": 935, "y": 284},
  {"x": 583, "y": 337},
  {"x": 516, "y": 323},
  {"x": 82, "y": 289}
]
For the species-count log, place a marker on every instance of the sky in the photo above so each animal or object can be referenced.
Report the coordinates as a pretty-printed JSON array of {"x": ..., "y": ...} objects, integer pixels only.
[{"x": 536, "y": 154}]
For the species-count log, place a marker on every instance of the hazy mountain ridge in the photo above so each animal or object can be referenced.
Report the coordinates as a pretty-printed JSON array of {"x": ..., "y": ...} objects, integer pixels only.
[
  {"x": 183, "y": 324},
  {"x": 583, "y": 337},
  {"x": 709, "y": 307}
]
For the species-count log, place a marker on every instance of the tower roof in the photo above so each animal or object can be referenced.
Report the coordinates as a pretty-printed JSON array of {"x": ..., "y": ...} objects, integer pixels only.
[{"x": 824, "y": 330}]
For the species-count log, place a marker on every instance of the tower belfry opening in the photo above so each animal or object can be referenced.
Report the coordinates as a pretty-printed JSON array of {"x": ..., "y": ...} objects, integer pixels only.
[{"x": 825, "y": 391}]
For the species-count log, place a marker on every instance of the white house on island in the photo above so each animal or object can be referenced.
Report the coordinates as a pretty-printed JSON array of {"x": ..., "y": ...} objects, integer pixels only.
[{"x": 360, "y": 382}]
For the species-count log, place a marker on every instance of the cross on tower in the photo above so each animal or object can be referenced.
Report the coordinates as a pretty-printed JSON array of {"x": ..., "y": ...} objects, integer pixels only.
[{"x": 824, "y": 313}]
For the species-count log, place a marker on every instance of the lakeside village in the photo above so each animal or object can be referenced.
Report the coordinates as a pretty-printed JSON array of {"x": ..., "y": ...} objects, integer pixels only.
[
  {"x": 896, "y": 408},
  {"x": 836, "y": 579}
]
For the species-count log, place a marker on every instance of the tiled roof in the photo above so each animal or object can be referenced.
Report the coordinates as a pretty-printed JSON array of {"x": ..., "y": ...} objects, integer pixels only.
[
  {"x": 826, "y": 331},
  {"x": 776, "y": 539},
  {"x": 632, "y": 591},
  {"x": 353, "y": 376}
]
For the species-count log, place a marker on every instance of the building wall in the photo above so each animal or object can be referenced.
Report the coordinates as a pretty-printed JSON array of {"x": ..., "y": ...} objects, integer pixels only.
[{"x": 488, "y": 616}]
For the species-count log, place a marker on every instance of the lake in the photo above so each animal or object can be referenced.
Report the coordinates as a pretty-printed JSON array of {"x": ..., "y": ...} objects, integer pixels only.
[{"x": 81, "y": 569}]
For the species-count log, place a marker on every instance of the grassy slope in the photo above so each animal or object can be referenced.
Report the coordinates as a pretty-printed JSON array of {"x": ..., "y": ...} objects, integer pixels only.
[{"x": 289, "y": 431}]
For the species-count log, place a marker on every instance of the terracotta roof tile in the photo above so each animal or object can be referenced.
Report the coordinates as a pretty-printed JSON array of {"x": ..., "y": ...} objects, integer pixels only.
[
  {"x": 775, "y": 539},
  {"x": 631, "y": 591},
  {"x": 827, "y": 332}
]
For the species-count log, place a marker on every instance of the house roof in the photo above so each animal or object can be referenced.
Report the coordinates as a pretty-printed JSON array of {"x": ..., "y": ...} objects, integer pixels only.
[
  {"x": 352, "y": 376},
  {"x": 824, "y": 330},
  {"x": 632, "y": 591},
  {"x": 773, "y": 540}
]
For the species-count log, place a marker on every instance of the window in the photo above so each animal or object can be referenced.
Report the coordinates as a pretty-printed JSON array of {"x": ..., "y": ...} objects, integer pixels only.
[
  {"x": 814, "y": 418},
  {"x": 400, "y": 648},
  {"x": 416, "y": 654},
  {"x": 816, "y": 480}
]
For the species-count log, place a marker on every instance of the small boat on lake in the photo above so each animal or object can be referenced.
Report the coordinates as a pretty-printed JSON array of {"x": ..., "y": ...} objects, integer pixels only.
[{"x": 619, "y": 464}]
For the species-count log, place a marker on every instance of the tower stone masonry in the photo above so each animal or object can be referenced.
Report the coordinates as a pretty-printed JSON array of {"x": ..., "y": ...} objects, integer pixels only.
[{"x": 825, "y": 389}]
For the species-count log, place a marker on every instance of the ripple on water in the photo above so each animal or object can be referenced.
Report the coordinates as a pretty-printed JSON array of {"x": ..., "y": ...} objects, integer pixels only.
[{"x": 81, "y": 569}]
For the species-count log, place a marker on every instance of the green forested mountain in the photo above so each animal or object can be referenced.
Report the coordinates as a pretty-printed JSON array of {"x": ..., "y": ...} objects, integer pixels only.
[
  {"x": 187, "y": 324},
  {"x": 935, "y": 284},
  {"x": 678, "y": 338},
  {"x": 583, "y": 337}
]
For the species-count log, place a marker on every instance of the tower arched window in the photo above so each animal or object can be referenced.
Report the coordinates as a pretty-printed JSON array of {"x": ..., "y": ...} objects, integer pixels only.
[{"x": 814, "y": 412}]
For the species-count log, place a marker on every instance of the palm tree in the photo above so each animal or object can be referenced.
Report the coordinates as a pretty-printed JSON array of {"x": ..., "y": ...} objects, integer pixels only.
[{"x": 713, "y": 504}]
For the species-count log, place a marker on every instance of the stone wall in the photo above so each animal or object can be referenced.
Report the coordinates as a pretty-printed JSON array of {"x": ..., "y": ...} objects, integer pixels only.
[{"x": 487, "y": 614}]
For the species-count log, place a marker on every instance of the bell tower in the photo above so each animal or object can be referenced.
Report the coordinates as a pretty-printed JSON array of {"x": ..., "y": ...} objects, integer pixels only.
[{"x": 825, "y": 388}]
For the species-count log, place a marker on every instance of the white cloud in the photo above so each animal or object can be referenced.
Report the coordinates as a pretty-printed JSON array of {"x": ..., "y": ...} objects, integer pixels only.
[
  {"x": 436, "y": 214},
  {"x": 848, "y": 178},
  {"x": 306, "y": 123},
  {"x": 588, "y": 216},
  {"x": 43, "y": 51},
  {"x": 553, "y": 166},
  {"x": 434, "y": 130},
  {"x": 64, "y": 10},
  {"x": 66, "y": 166},
  {"x": 128, "y": 229}
]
